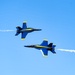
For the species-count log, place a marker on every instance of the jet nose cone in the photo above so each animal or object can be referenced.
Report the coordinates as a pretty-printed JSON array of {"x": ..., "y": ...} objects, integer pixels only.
[
  {"x": 26, "y": 46},
  {"x": 37, "y": 29},
  {"x": 29, "y": 46}
]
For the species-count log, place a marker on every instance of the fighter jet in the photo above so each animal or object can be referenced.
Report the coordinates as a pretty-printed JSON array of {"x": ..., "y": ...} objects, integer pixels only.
[
  {"x": 24, "y": 30},
  {"x": 44, "y": 47}
]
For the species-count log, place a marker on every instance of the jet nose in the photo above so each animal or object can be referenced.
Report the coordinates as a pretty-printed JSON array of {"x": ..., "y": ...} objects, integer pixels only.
[
  {"x": 29, "y": 46},
  {"x": 37, "y": 29}
]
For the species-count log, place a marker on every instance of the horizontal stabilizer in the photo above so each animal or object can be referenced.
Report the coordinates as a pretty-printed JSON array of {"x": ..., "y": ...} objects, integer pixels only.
[
  {"x": 17, "y": 33},
  {"x": 18, "y": 30},
  {"x": 53, "y": 51}
]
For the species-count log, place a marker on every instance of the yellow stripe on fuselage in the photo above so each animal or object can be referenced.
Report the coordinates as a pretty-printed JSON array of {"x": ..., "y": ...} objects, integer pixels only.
[
  {"x": 38, "y": 46},
  {"x": 28, "y": 29}
]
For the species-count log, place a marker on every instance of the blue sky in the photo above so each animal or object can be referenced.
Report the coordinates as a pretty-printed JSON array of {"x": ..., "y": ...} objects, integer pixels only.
[{"x": 56, "y": 18}]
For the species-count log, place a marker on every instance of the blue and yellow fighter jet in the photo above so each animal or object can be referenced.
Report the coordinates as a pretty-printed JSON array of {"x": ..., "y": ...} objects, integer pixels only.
[
  {"x": 24, "y": 30},
  {"x": 45, "y": 47}
]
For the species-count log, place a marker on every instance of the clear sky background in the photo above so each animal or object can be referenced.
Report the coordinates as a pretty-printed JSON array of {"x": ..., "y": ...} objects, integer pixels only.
[{"x": 56, "y": 18}]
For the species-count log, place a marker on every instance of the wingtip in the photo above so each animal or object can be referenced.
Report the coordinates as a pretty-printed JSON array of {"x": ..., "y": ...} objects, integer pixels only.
[
  {"x": 24, "y": 21},
  {"x": 22, "y": 38},
  {"x": 45, "y": 40},
  {"x": 45, "y": 56}
]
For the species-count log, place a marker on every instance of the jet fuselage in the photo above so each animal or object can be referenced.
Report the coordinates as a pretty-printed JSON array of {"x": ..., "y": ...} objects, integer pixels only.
[
  {"x": 29, "y": 30},
  {"x": 44, "y": 47},
  {"x": 39, "y": 47},
  {"x": 25, "y": 30}
]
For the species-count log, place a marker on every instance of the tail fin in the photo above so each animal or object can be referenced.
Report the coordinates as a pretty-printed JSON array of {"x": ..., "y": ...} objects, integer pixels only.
[
  {"x": 52, "y": 47},
  {"x": 18, "y": 30}
]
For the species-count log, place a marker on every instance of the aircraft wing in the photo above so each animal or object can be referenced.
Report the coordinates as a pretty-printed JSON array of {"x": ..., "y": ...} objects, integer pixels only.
[
  {"x": 23, "y": 35},
  {"x": 44, "y": 52},
  {"x": 24, "y": 25},
  {"x": 44, "y": 43}
]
